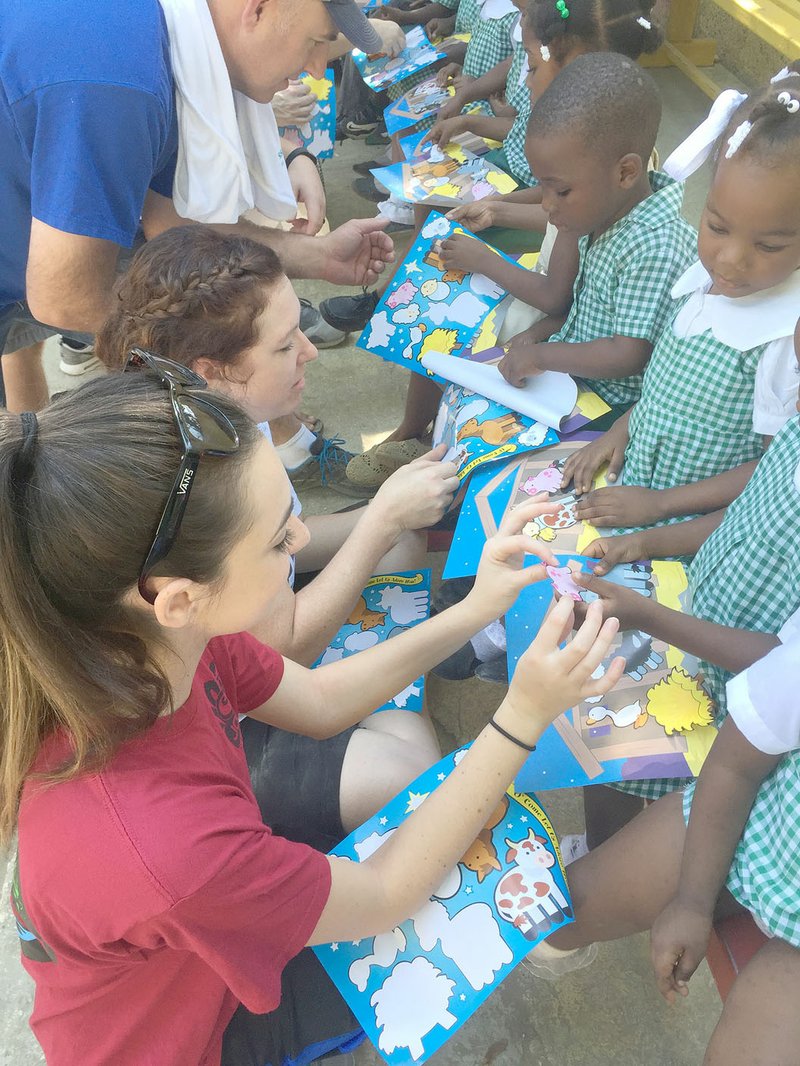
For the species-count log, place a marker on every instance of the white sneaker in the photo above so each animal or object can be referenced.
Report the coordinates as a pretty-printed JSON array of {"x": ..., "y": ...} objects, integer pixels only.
[
  {"x": 550, "y": 963},
  {"x": 573, "y": 846},
  {"x": 76, "y": 358}
]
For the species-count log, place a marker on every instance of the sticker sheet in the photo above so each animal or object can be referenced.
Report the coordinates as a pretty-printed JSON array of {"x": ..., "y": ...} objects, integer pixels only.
[
  {"x": 319, "y": 133},
  {"x": 428, "y": 308},
  {"x": 505, "y": 486},
  {"x": 380, "y": 71},
  {"x": 477, "y": 430},
  {"x": 657, "y": 722},
  {"x": 388, "y": 606},
  {"x": 444, "y": 181},
  {"x": 413, "y": 986},
  {"x": 414, "y": 146},
  {"x": 421, "y": 101}
]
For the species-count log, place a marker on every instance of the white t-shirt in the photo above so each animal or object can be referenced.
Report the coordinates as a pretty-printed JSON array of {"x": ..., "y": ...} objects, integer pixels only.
[
  {"x": 768, "y": 317},
  {"x": 763, "y": 700}
]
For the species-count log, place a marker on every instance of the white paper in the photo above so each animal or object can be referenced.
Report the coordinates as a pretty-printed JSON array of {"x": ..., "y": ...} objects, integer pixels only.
[{"x": 548, "y": 397}]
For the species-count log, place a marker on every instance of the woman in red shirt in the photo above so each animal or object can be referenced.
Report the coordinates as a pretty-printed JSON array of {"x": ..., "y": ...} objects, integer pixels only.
[{"x": 146, "y": 527}]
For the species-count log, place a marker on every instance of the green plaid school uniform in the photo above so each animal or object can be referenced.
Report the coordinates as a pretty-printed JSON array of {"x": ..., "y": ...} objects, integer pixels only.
[
  {"x": 489, "y": 45},
  {"x": 747, "y": 574},
  {"x": 467, "y": 14},
  {"x": 518, "y": 95},
  {"x": 765, "y": 872},
  {"x": 625, "y": 278},
  {"x": 695, "y": 416}
]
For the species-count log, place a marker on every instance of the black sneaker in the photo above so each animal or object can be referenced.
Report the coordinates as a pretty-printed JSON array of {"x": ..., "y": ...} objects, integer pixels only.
[
  {"x": 495, "y": 671},
  {"x": 365, "y": 169},
  {"x": 358, "y": 126},
  {"x": 368, "y": 189},
  {"x": 349, "y": 313}
]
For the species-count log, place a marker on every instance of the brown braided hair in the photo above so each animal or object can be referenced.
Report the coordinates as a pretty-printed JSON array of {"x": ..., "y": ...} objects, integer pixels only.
[{"x": 191, "y": 292}]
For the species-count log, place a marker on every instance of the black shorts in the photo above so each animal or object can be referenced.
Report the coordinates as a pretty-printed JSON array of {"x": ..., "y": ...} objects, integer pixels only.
[
  {"x": 296, "y": 781},
  {"x": 311, "y": 1023}
]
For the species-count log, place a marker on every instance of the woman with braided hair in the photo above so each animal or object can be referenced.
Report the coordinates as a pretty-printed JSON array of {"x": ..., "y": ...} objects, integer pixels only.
[{"x": 222, "y": 306}]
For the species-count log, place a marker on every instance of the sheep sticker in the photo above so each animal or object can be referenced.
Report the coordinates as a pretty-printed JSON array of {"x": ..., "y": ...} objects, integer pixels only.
[{"x": 411, "y": 1002}]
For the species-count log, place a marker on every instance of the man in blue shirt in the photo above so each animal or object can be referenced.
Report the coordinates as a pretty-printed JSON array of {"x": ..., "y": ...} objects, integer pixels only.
[{"x": 88, "y": 143}]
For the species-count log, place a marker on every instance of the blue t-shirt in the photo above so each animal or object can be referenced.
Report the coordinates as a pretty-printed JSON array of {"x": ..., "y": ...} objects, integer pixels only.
[{"x": 87, "y": 121}]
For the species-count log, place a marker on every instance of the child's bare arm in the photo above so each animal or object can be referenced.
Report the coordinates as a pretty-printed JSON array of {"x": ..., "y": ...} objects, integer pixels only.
[
  {"x": 607, "y": 357},
  {"x": 723, "y": 798},
  {"x": 551, "y": 292},
  {"x": 731, "y": 649},
  {"x": 632, "y": 505},
  {"x": 492, "y": 82},
  {"x": 661, "y": 542},
  {"x": 498, "y": 211},
  {"x": 448, "y": 126},
  {"x": 412, "y": 16}
]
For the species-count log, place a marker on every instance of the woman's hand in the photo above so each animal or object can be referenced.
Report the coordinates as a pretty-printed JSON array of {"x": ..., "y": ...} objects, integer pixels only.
[
  {"x": 356, "y": 252},
  {"x": 393, "y": 37},
  {"x": 501, "y": 572},
  {"x": 623, "y": 505},
  {"x": 520, "y": 362},
  {"x": 418, "y": 494},
  {"x": 477, "y": 216},
  {"x": 444, "y": 130},
  {"x": 581, "y": 467},
  {"x": 551, "y": 679},
  {"x": 310, "y": 192},
  {"x": 610, "y": 551},
  {"x": 294, "y": 105},
  {"x": 678, "y": 944}
]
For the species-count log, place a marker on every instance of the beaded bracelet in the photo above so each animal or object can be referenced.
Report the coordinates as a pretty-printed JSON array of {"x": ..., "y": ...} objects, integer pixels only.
[{"x": 508, "y": 736}]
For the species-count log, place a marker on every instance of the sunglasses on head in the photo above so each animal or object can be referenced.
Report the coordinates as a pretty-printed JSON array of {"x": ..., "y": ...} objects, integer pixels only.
[{"x": 204, "y": 430}]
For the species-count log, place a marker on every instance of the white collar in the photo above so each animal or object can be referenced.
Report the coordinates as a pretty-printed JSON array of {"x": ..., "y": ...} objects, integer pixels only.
[
  {"x": 496, "y": 9},
  {"x": 747, "y": 321},
  {"x": 516, "y": 33}
]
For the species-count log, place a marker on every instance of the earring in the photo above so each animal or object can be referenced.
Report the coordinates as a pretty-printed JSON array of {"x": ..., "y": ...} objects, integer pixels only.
[{"x": 544, "y": 52}]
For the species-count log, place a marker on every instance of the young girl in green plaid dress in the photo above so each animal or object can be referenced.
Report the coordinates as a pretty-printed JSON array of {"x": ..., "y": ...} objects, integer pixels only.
[
  {"x": 721, "y": 375},
  {"x": 739, "y": 853}
]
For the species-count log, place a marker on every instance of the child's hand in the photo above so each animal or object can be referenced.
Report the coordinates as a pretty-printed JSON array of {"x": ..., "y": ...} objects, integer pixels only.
[
  {"x": 622, "y": 603},
  {"x": 501, "y": 576},
  {"x": 623, "y": 505},
  {"x": 477, "y": 216},
  {"x": 393, "y": 14},
  {"x": 678, "y": 944},
  {"x": 500, "y": 106},
  {"x": 552, "y": 679},
  {"x": 582, "y": 466},
  {"x": 418, "y": 494},
  {"x": 519, "y": 363},
  {"x": 450, "y": 72},
  {"x": 460, "y": 252},
  {"x": 610, "y": 551},
  {"x": 444, "y": 129},
  {"x": 438, "y": 29},
  {"x": 450, "y": 109}
]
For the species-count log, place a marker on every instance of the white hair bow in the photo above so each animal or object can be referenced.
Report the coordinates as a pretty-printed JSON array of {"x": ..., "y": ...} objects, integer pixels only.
[{"x": 693, "y": 152}]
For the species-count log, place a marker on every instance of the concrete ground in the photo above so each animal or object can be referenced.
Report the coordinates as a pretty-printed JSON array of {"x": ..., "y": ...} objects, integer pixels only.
[{"x": 607, "y": 1015}]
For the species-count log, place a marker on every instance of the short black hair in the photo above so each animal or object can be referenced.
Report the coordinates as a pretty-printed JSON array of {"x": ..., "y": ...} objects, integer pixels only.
[{"x": 605, "y": 100}]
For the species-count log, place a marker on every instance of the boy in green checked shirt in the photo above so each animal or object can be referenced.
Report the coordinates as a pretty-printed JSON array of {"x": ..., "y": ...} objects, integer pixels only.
[{"x": 589, "y": 138}]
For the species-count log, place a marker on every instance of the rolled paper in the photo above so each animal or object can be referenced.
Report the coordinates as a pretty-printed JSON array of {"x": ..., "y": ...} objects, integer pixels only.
[{"x": 548, "y": 397}]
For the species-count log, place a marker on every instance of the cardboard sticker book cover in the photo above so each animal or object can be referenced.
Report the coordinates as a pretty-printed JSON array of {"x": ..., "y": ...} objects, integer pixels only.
[
  {"x": 319, "y": 133},
  {"x": 413, "y": 986},
  {"x": 657, "y": 722},
  {"x": 497, "y": 489},
  {"x": 380, "y": 71},
  {"x": 444, "y": 180},
  {"x": 389, "y": 605}
]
